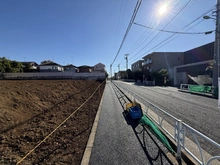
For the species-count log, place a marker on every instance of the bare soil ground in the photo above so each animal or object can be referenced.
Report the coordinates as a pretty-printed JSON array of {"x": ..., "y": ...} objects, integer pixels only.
[{"x": 31, "y": 109}]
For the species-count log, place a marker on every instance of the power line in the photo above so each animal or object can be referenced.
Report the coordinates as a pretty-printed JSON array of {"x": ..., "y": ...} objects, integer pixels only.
[
  {"x": 168, "y": 31},
  {"x": 120, "y": 19},
  {"x": 140, "y": 42},
  {"x": 129, "y": 27},
  {"x": 143, "y": 38},
  {"x": 178, "y": 35},
  {"x": 164, "y": 26},
  {"x": 175, "y": 34}
]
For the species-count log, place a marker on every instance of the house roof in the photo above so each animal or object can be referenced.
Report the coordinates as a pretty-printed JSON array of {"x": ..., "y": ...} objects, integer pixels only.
[
  {"x": 27, "y": 62},
  {"x": 100, "y": 64},
  {"x": 70, "y": 65},
  {"x": 160, "y": 52},
  {"x": 137, "y": 62},
  {"x": 84, "y": 66},
  {"x": 52, "y": 63}
]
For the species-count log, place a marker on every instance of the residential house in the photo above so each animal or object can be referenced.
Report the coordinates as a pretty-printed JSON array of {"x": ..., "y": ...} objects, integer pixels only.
[
  {"x": 70, "y": 68},
  {"x": 163, "y": 60},
  {"x": 85, "y": 69},
  {"x": 30, "y": 66},
  {"x": 51, "y": 67},
  {"x": 137, "y": 66},
  {"x": 98, "y": 68},
  {"x": 121, "y": 75}
]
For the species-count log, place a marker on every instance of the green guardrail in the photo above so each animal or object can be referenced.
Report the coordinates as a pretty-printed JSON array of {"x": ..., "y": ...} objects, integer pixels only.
[
  {"x": 215, "y": 93},
  {"x": 146, "y": 121},
  {"x": 200, "y": 88}
]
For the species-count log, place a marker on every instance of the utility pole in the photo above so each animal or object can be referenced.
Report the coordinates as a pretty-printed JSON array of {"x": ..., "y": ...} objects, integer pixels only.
[
  {"x": 218, "y": 35},
  {"x": 217, "y": 42},
  {"x": 126, "y": 58},
  {"x": 119, "y": 67},
  {"x": 111, "y": 71},
  {"x": 216, "y": 63}
]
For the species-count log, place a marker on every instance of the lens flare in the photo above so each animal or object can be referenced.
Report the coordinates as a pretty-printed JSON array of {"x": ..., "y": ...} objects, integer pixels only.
[{"x": 162, "y": 9}]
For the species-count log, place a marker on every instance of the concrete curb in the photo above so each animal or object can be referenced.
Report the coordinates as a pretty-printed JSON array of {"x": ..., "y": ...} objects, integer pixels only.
[
  {"x": 89, "y": 146},
  {"x": 197, "y": 93}
]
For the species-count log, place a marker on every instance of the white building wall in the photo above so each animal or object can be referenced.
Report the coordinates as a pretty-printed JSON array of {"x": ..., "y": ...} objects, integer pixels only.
[
  {"x": 51, "y": 67},
  {"x": 99, "y": 67}
]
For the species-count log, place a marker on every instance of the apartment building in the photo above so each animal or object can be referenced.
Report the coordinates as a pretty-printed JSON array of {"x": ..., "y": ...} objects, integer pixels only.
[
  {"x": 137, "y": 66},
  {"x": 195, "y": 63},
  {"x": 163, "y": 60}
]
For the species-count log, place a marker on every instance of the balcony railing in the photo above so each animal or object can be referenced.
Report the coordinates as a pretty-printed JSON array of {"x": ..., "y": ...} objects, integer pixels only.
[{"x": 147, "y": 62}]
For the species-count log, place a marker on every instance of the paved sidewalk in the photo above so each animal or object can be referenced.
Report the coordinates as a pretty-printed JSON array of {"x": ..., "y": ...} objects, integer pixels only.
[{"x": 120, "y": 140}]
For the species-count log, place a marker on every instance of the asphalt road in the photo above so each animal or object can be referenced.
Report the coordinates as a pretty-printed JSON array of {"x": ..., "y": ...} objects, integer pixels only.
[
  {"x": 120, "y": 140},
  {"x": 197, "y": 111}
]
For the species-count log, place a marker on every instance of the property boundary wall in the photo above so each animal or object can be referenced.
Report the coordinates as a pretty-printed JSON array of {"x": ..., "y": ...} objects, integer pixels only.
[{"x": 54, "y": 75}]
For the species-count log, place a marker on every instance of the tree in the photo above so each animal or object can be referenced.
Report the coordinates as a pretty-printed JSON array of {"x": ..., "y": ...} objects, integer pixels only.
[
  {"x": 147, "y": 75},
  {"x": 138, "y": 75},
  {"x": 164, "y": 73},
  {"x": 106, "y": 74},
  {"x": 209, "y": 68},
  {"x": 16, "y": 67},
  {"x": 46, "y": 62},
  {"x": 157, "y": 77},
  {"x": 130, "y": 74},
  {"x": 7, "y": 66},
  {"x": 2, "y": 69}
]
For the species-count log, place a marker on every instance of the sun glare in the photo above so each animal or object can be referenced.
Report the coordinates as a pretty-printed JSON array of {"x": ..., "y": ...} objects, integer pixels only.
[{"x": 163, "y": 10}]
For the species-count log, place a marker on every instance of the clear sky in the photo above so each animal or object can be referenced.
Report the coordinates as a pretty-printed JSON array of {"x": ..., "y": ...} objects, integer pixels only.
[{"x": 86, "y": 32}]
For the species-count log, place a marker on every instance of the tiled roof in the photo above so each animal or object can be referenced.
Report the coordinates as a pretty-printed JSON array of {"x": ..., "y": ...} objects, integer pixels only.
[{"x": 48, "y": 64}]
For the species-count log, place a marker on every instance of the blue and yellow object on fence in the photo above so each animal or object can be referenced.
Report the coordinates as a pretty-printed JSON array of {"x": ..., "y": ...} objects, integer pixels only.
[{"x": 134, "y": 110}]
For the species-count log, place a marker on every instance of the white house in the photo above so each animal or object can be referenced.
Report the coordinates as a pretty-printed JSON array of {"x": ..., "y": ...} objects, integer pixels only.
[
  {"x": 99, "y": 67},
  {"x": 51, "y": 67},
  {"x": 70, "y": 68}
]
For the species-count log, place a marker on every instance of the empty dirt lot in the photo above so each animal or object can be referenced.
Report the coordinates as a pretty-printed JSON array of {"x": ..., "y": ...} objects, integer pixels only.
[{"x": 31, "y": 109}]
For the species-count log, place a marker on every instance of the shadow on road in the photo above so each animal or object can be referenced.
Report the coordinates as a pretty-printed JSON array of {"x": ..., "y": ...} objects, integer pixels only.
[{"x": 147, "y": 142}]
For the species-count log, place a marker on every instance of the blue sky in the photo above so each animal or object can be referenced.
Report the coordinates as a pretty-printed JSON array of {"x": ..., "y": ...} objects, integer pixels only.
[{"x": 90, "y": 31}]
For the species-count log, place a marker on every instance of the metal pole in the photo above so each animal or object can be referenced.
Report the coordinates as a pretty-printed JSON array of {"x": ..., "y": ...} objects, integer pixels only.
[
  {"x": 111, "y": 71},
  {"x": 126, "y": 58},
  {"x": 218, "y": 36},
  {"x": 215, "y": 64},
  {"x": 179, "y": 127}
]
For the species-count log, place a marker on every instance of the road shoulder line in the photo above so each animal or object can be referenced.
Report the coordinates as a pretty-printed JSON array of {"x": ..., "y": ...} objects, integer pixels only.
[{"x": 89, "y": 146}]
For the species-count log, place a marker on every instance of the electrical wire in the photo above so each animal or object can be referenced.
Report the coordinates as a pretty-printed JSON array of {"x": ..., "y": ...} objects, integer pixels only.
[
  {"x": 164, "y": 27},
  {"x": 166, "y": 40},
  {"x": 177, "y": 35},
  {"x": 168, "y": 31},
  {"x": 120, "y": 20},
  {"x": 144, "y": 37},
  {"x": 129, "y": 27}
]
